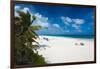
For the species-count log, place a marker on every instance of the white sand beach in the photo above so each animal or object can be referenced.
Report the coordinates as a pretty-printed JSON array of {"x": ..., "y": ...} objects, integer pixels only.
[{"x": 66, "y": 49}]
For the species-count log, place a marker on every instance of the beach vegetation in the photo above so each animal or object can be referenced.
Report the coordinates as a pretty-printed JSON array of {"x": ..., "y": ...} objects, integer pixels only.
[{"x": 24, "y": 51}]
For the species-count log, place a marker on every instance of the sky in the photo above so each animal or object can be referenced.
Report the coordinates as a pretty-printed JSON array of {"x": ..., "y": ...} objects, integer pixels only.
[{"x": 61, "y": 20}]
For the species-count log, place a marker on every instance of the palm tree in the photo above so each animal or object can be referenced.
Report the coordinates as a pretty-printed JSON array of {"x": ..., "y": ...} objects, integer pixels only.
[{"x": 24, "y": 36}]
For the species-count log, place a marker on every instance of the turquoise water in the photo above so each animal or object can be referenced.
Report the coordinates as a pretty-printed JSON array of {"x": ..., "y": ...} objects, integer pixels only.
[{"x": 74, "y": 36}]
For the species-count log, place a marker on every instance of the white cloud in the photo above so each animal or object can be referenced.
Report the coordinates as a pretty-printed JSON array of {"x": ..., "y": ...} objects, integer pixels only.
[
  {"x": 56, "y": 25},
  {"x": 68, "y": 20},
  {"x": 38, "y": 15},
  {"x": 25, "y": 9},
  {"x": 38, "y": 22},
  {"x": 17, "y": 8},
  {"x": 78, "y": 21},
  {"x": 75, "y": 26},
  {"x": 41, "y": 20},
  {"x": 75, "y": 23}
]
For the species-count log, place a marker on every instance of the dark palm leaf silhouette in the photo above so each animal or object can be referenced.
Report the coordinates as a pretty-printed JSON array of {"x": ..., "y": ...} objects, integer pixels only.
[{"x": 24, "y": 36}]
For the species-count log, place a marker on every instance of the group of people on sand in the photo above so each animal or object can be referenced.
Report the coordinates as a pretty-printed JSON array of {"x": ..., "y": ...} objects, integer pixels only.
[
  {"x": 82, "y": 44},
  {"x": 45, "y": 38}
]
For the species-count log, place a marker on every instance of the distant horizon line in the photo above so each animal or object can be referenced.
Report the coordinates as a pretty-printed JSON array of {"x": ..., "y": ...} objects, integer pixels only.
[{"x": 64, "y": 35}]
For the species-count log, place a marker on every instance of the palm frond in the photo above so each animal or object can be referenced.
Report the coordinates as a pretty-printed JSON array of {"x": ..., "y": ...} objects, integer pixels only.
[{"x": 36, "y": 27}]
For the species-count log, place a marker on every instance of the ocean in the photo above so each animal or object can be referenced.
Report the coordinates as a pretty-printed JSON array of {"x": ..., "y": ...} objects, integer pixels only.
[{"x": 73, "y": 36}]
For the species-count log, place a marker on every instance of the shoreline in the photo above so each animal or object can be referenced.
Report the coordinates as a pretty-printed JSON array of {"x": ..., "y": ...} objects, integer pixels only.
[{"x": 71, "y": 36}]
